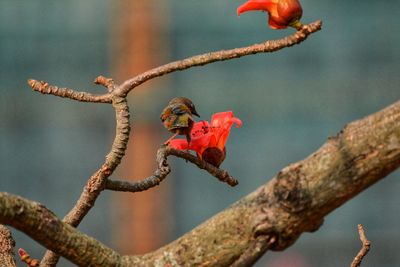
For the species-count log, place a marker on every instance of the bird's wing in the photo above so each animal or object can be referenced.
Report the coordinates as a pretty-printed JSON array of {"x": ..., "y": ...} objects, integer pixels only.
[{"x": 180, "y": 109}]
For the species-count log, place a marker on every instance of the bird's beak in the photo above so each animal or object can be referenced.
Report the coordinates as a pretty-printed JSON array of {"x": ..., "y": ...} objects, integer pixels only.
[{"x": 195, "y": 113}]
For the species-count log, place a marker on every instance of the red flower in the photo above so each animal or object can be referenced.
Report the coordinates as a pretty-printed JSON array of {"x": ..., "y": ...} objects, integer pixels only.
[
  {"x": 208, "y": 140},
  {"x": 282, "y": 13}
]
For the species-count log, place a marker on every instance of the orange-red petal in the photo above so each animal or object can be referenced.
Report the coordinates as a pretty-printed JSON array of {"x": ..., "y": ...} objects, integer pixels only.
[
  {"x": 180, "y": 144},
  {"x": 281, "y": 12},
  {"x": 251, "y": 5}
]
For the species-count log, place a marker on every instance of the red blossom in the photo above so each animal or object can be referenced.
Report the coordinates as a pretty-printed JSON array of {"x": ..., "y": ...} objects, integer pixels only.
[
  {"x": 282, "y": 13},
  {"x": 209, "y": 139}
]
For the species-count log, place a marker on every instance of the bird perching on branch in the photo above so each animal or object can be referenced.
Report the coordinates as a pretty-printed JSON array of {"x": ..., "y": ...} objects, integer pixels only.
[{"x": 177, "y": 117}]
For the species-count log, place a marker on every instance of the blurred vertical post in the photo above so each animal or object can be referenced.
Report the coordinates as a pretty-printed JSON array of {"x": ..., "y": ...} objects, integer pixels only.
[{"x": 141, "y": 220}]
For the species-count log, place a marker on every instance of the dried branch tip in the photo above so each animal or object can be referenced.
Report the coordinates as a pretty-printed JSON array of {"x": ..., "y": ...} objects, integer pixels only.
[
  {"x": 366, "y": 244},
  {"x": 37, "y": 85},
  {"x": 106, "y": 82},
  {"x": 27, "y": 259}
]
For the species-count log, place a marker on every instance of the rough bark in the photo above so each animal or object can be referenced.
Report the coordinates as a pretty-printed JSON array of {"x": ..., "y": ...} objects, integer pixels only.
[
  {"x": 7, "y": 244},
  {"x": 272, "y": 217}
]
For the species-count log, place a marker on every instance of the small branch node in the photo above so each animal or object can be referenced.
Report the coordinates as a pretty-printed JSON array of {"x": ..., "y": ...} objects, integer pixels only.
[
  {"x": 366, "y": 244},
  {"x": 39, "y": 86},
  {"x": 106, "y": 82}
]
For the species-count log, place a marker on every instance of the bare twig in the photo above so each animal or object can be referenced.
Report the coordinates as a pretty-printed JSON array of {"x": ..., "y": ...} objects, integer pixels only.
[
  {"x": 159, "y": 175},
  {"x": 163, "y": 170},
  {"x": 45, "y": 88},
  {"x": 200, "y": 60},
  {"x": 366, "y": 244},
  {"x": 220, "y": 174},
  {"x": 106, "y": 82},
  {"x": 7, "y": 244}
]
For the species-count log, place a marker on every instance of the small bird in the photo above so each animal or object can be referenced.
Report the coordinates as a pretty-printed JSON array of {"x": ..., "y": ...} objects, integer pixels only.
[{"x": 177, "y": 117}]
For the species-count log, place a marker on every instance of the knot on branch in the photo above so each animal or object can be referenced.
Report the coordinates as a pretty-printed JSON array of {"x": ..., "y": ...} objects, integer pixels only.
[
  {"x": 268, "y": 225},
  {"x": 106, "y": 82},
  {"x": 289, "y": 191}
]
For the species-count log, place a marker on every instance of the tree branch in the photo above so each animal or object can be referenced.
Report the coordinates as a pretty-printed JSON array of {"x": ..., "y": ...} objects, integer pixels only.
[
  {"x": 45, "y": 88},
  {"x": 272, "y": 217},
  {"x": 218, "y": 173},
  {"x": 200, "y": 60},
  {"x": 43, "y": 226},
  {"x": 296, "y": 200},
  {"x": 159, "y": 175},
  {"x": 163, "y": 170},
  {"x": 366, "y": 244},
  {"x": 7, "y": 244},
  {"x": 97, "y": 181}
]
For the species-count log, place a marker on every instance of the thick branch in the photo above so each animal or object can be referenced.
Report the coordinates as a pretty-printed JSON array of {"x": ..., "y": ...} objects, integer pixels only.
[
  {"x": 97, "y": 182},
  {"x": 272, "y": 217},
  {"x": 200, "y": 60},
  {"x": 42, "y": 225},
  {"x": 7, "y": 244},
  {"x": 295, "y": 201}
]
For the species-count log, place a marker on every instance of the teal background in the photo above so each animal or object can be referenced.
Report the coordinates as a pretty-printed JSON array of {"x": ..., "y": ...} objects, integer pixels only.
[{"x": 289, "y": 101}]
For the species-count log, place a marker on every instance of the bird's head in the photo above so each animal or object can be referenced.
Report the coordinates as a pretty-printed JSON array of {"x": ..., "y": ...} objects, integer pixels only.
[{"x": 187, "y": 102}]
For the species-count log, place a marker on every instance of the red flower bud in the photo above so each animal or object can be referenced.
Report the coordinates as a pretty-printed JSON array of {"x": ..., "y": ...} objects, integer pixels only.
[{"x": 282, "y": 13}]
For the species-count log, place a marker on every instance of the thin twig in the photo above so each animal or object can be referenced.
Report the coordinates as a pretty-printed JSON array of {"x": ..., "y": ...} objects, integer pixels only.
[
  {"x": 163, "y": 170},
  {"x": 222, "y": 55},
  {"x": 198, "y": 60},
  {"x": 159, "y": 175},
  {"x": 106, "y": 82},
  {"x": 366, "y": 244},
  {"x": 45, "y": 88},
  {"x": 220, "y": 174}
]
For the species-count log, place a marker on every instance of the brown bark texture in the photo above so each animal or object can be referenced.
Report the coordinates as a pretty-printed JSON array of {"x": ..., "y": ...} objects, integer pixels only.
[
  {"x": 7, "y": 244},
  {"x": 271, "y": 218}
]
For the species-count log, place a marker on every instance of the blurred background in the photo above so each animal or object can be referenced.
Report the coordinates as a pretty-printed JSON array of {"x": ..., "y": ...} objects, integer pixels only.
[{"x": 289, "y": 101}]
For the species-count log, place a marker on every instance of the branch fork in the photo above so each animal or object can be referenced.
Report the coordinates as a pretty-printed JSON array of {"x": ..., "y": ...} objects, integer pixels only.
[{"x": 116, "y": 96}]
